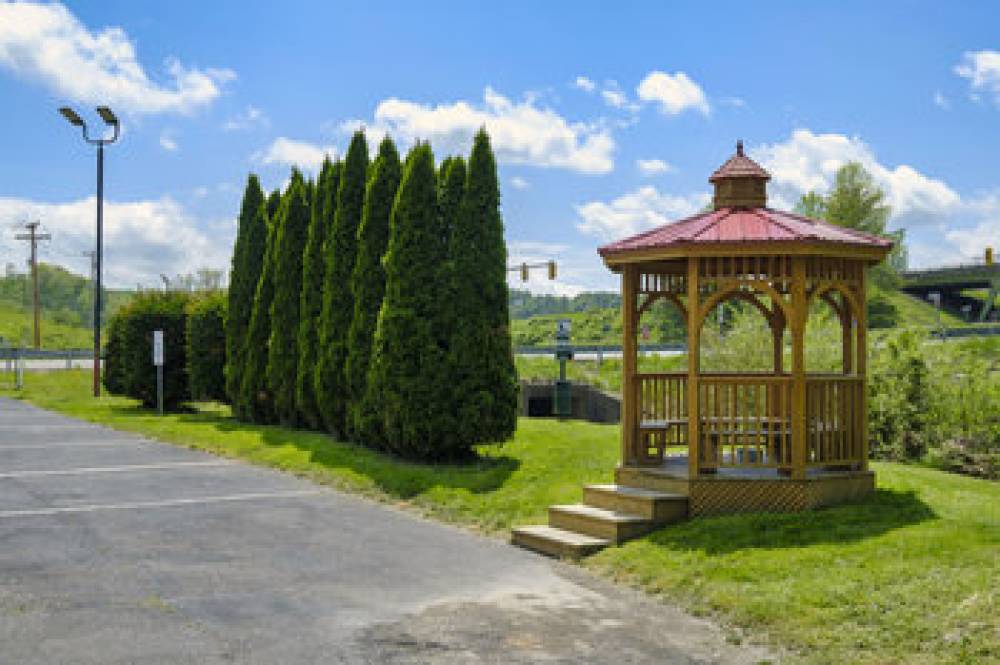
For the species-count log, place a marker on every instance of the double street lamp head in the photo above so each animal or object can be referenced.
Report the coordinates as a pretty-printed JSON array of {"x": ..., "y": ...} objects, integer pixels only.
[{"x": 107, "y": 115}]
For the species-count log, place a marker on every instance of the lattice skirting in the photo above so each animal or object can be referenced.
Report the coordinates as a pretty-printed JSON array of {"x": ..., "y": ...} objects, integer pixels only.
[{"x": 721, "y": 496}]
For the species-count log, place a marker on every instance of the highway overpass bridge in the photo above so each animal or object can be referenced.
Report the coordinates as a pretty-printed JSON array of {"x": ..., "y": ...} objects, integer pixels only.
[{"x": 952, "y": 281}]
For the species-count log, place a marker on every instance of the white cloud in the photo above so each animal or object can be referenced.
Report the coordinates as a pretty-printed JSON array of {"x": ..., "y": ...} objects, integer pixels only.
[
  {"x": 941, "y": 101},
  {"x": 584, "y": 83},
  {"x": 141, "y": 238},
  {"x": 614, "y": 98},
  {"x": 250, "y": 118},
  {"x": 735, "y": 102},
  {"x": 167, "y": 141},
  {"x": 971, "y": 242},
  {"x": 982, "y": 69},
  {"x": 521, "y": 132},
  {"x": 649, "y": 167},
  {"x": 808, "y": 161},
  {"x": 48, "y": 44},
  {"x": 305, "y": 155},
  {"x": 517, "y": 182},
  {"x": 636, "y": 211},
  {"x": 674, "y": 93}
]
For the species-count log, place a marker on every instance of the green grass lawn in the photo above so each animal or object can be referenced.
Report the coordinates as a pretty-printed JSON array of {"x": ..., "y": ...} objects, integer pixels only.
[{"x": 907, "y": 576}]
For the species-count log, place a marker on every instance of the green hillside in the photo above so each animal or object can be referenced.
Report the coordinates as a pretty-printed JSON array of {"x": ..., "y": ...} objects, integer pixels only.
[
  {"x": 16, "y": 328},
  {"x": 602, "y": 325},
  {"x": 66, "y": 303}
]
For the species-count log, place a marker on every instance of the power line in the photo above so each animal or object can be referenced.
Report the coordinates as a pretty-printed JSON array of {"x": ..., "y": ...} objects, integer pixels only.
[{"x": 33, "y": 237}]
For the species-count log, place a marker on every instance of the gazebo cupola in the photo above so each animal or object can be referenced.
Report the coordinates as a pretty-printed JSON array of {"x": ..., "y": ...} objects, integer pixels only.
[{"x": 740, "y": 183}]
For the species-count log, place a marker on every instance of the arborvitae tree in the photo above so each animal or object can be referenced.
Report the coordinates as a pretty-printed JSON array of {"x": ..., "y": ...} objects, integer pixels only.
[
  {"x": 407, "y": 390},
  {"x": 482, "y": 364},
  {"x": 283, "y": 356},
  {"x": 248, "y": 257},
  {"x": 255, "y": 397},
  {"x": 338, "y": 304},
  {"x": 368, "y": 279},
  {"x": 451, "y": 199},
  {"x": 311, "y": 303}
]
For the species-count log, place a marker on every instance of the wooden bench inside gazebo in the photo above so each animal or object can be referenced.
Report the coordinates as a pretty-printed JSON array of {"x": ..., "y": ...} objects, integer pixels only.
[{"x": 701, "y": 443}]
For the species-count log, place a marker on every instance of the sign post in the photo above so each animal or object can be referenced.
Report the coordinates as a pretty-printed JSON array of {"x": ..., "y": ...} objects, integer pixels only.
[
  {"x": 158, "y": 361},
  {"x": 563, "y": 398}
]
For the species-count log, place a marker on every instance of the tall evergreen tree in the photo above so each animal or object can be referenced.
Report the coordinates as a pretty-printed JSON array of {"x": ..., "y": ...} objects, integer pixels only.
[
  {"x": 311, "y": 303},
  {"x": 482, "y": 362},
  {"x": 407, "y": 390},
  {"x": 283, "y": 357},
  {"x": 338, "y": 303},
  {"x": 368, "y": 278},
  {"x": 255, "y": 401},
  {"x": 248, "y": 257},
  {"x": 451, "y": 199}
]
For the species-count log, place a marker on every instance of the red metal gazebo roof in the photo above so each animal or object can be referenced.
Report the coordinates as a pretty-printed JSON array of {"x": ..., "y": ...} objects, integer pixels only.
[{"x": 741, "y": 225}]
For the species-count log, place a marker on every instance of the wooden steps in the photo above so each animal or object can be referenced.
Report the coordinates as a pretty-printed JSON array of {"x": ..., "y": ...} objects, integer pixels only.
[{"x": 609, "y": 514}]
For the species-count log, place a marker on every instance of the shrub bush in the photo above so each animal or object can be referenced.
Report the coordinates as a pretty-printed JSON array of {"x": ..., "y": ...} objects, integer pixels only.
[
  {"x": 206, "y": 346},
  {"x": 112, "y": 375},
  {"x": 132, "y": 359},
  {"x": 899, "y": 398}
]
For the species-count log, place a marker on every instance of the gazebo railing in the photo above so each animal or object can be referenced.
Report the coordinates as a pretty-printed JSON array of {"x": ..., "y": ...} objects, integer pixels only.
[
  {"x": 834, "y": 412},
  {"x": 745, "y": 420}
]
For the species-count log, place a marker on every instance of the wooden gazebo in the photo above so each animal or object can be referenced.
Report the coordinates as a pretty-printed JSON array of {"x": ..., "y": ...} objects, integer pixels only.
[{"x": 749, "y": 441}]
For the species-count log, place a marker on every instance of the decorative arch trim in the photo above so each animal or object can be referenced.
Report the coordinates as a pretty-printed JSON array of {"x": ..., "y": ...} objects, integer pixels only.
[{"x": 736, "y": 291}]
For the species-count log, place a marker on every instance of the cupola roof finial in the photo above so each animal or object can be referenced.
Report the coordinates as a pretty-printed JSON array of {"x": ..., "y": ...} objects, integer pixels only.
[{"x": 739, "y": 147}]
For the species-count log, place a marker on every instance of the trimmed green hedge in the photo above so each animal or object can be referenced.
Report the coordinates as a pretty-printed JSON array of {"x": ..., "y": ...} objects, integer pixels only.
[
  {"x": 206, "y": 346},
  {"x": 131, "y": 356}
]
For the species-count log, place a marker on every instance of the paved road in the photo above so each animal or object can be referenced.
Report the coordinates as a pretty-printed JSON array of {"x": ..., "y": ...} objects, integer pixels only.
[{"x": 116, "y": 549}]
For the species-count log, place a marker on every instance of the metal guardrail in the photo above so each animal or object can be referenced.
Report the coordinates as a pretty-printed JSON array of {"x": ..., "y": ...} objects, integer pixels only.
[
  {"x": 597, "y": 348},
  {"x": 10, "y": 352},
  {"x": 978, "y": 331}
]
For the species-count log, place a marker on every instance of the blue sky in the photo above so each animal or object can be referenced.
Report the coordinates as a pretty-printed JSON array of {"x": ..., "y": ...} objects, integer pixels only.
[{"x": 607, "y": 118}]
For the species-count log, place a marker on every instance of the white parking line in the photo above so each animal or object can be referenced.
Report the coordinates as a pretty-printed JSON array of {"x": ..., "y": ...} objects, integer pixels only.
[
  {"x": 157, "y": 504},
  {"x": 111, "y": 469},
  {"x": 75, "y": 444},
  {"x": 40, "y": 426}
]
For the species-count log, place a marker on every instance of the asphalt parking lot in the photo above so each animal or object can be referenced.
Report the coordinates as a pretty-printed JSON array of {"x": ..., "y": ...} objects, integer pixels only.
[{"x": 117, "y": 549}]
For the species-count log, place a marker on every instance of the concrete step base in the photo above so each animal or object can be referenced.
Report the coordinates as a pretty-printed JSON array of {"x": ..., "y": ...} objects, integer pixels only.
[{"x": 557, "y": 542}]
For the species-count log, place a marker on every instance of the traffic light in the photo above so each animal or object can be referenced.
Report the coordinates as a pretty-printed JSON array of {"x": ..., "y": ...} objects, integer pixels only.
[
  {"x": 989, "y": 256},
  {"x": 552, "y": 269},
  {"x": 524, "y": 272}
]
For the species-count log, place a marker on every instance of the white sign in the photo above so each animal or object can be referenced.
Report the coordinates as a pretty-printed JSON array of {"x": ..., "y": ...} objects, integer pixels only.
[{"x": 158, "y": 348}]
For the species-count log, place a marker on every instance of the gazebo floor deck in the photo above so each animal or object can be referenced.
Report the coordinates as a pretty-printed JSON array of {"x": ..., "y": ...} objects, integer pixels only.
[
  {"x": 748, "y": 489},
  {"x": 676, "y": 466}
]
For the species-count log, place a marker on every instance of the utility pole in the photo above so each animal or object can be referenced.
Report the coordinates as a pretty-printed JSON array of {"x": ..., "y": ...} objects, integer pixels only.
[{"x": 33, "y": 237}]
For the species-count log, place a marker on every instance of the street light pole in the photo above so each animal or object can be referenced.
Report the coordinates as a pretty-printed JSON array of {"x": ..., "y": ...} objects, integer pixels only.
[{"x": 111, "y": 120}]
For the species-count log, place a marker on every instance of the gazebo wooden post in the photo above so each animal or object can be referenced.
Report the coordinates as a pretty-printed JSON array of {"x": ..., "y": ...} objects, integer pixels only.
[
  {"x": 847, "y": 317},
  {"x": 799, "y": 311},
  {"x": 862, "y": 368},
  {"x": 629, "y": 418},
  {"x": 694, "y": 319}
]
